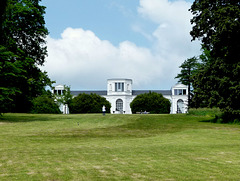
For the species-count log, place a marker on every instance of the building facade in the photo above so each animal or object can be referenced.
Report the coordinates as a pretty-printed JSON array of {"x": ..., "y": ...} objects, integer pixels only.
[{"x": 120, "y": 94}]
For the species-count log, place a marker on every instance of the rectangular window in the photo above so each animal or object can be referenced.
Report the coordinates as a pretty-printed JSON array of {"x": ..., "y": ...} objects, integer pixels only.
[
  {"x": 180, "y": 92},
  {"x": 184, "y": 91},
  {"x": 119, "y": 87},
  {"x": 175, "y": 92}
]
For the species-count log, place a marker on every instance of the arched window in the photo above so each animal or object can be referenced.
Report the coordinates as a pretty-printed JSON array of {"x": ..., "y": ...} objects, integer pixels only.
[
  {"x": 180, "y": 106},
  {"x": 119, "y": 105}
]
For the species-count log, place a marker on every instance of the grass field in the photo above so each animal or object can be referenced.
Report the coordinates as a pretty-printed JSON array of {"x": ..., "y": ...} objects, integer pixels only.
[{"x": 117, "y": 147}]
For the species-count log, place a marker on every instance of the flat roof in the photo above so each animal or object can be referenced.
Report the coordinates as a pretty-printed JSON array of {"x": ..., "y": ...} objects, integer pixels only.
[
  {"x": 163, "y": 92},
  {"x": 120, "y": 79},
  {"x": 134, "y": 92},
  {"x": 101, "y": 93}
]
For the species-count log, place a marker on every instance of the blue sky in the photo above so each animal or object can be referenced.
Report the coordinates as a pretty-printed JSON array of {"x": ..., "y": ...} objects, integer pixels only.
[
  {"x": 109, "y": 19},
  {"x": 93, "y": 40}
]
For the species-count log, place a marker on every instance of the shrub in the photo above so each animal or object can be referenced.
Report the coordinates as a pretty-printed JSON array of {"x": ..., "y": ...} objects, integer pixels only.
[
  {"x": 218, "y": 115},
  {"x": 88, "y": 103},
  {"x": 230, "y": 117},
  {"x": 212, "y": 112},
  {"x": 45, "y": 104},
  {"x": 152, "y": 102}
]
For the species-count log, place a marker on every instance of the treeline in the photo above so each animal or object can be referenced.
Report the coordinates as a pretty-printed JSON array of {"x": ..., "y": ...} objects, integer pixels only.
[
  {"x": 22, "y": 51},
  {"x": 214, "y": 77},
  {"x": 83, "y": 103}
]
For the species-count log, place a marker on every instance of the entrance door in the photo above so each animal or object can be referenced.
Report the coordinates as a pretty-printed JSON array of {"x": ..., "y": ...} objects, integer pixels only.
[
  {"x": 180, "y": 106},
  {"x": 119, "y": 105}
]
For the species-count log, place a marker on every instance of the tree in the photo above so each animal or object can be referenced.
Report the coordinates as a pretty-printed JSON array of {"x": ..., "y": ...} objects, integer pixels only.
[
  {"x": 3, "y": 6},
  {"x": 9, "y": 73},
  {"x": 188, "y": 68},
  {"x": 152, "y": 102},
  {"x": 216, "y": 24},
  {"x": 85, "y": 103},
  {"x": 45, "y": 104},
  {"x": 23, "y": 50},
  {"x": 24, "y": 31}
]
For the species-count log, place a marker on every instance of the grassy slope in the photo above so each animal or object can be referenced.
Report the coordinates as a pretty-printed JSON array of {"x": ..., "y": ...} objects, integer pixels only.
[{"x": 117, "y": 147}]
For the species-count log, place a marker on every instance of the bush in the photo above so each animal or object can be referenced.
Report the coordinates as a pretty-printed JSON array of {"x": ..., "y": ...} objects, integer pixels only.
[
  {"x": 212, "y": 112},
  {"x": 152, "y": 102},
  {"x": 218, "y": 115},
  {"x": 230, "y": 117},
  {"x": 45, "y": 104},
  {"x": 85, "y": 103}
]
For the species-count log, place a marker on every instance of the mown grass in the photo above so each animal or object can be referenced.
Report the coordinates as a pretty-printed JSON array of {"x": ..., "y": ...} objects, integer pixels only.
[{"x": 117, "y": 147}]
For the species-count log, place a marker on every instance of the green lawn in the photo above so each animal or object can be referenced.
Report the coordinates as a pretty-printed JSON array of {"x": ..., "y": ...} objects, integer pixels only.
[{"x": 117, "y": 147}]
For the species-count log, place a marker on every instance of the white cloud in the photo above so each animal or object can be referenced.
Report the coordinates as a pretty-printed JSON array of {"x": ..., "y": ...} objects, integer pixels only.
[
  {"x": 173, "y": 19},
  {"x": 83, "y": 61}
]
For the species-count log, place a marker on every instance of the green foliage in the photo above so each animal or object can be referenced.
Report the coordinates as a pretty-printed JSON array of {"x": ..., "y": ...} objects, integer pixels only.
[
  {"x": 188, "y": 69},
  {"x": 217, "y": 81},
  {"x": 216, "y": 24},
  {"x": 205, "y": 83},
  {"x": 151, "y": 102},
  {"x": 24, "y": 31},
  {"x": 217, "y": 115},
  {"x": 10, "y": 72},
  {"x": 45, "y": 104},
  {"x": 211, "y": 112},
  {"x": 85, "y": 103},
  {"x": 217, "y": 84},
  {"x": 22, "y": 50}
]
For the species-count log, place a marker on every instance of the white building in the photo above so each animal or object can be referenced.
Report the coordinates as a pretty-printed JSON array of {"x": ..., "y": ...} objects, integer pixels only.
[
  {"x": 120, "y": 94},
  {"x": 58, "y": 91}
]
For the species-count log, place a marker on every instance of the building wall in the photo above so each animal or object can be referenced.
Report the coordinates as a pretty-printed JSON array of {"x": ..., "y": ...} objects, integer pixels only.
[
  {"x": 178, "y": 98},
  {"x": 179, "y": 94},
  {"x": 126, "y": 103},
  {"x": 121, "y": 89}
]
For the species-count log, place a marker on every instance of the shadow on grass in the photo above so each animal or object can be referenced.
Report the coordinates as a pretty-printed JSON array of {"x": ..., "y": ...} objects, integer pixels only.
[
  {"x": 18, "y": 117},
  {"x": 210, "y": 120}
]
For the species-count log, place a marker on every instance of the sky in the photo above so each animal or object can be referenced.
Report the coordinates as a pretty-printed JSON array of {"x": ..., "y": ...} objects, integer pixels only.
[{"x": 91, "y": 41}]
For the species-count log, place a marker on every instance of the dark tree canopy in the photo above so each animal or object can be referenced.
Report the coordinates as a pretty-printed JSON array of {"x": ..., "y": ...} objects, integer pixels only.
[
  {"x": 151, "y": 102},
  {"x": 217, "y": 82},
  {"x": 88, "y": 103},
  {"x": 217, "y": 25},
  {"x": 45, "y": 104},
  {"x": 24, "y": 30},
  {"x": 10, "y": 72},
  {"x": 22, "y": 51}
]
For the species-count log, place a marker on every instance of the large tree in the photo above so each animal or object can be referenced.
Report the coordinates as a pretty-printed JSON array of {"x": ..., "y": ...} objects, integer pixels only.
[
  {"x": 22, "y": 40},
  {"x": 216, "y": 24}
]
